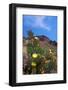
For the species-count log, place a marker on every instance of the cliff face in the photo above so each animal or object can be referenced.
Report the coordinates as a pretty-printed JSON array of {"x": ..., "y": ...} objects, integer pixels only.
[{"x": 43, "y": 41}]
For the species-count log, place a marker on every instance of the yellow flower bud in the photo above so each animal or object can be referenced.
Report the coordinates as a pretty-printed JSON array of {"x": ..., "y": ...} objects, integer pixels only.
[
  {"x": 33, "y": 64},
  {"x": 34, "y": 55}
]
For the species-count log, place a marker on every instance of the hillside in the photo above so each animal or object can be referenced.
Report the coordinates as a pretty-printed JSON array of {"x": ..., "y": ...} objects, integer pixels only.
[{"x": 39, "y": 55}]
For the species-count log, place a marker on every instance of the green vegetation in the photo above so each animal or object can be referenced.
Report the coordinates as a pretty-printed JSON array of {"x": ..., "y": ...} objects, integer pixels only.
[{"x": 40, "y": 60}]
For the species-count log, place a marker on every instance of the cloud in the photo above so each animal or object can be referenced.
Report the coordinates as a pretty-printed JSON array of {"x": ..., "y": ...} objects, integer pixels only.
[{"x": 39, "y": 22}]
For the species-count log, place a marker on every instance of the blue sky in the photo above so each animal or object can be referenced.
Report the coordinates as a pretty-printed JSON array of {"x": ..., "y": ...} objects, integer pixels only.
[{"x": 40, "y": 25}]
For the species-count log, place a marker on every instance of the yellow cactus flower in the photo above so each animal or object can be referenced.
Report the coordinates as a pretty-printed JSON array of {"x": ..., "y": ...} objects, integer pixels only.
[
  {"x": 33, "y": 64},
  {"x": 34, "y": 55}
]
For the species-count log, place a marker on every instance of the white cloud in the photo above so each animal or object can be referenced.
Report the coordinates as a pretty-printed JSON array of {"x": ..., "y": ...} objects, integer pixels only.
[{"x": 39, "y": 22}]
